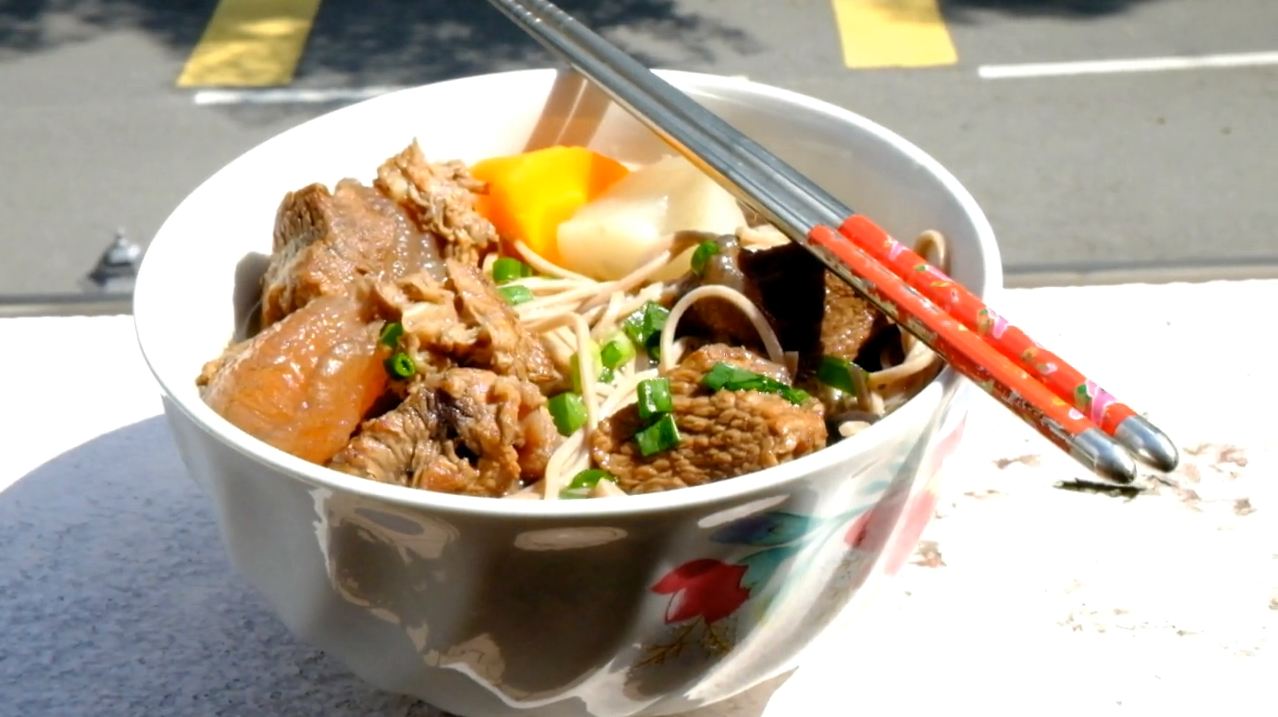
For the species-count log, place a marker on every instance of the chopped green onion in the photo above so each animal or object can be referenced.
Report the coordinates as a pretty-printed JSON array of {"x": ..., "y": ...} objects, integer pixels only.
[
  {"x": 644, "y": 326},
  {"x": 654, "y": 398},
  {"x": 400, "y": 365},
  {"x": 507, "y": 269},
  {"x": 617, "y": 352},
  {"x": 574, "y": 367},
  {"x": 584, "y": 482},
  {"x": 724, "y": 376},
  {"x": 568, "y": 412},
  {"x": 607, "y": 375},
  {"x": 660, "y": 436},
  {"x": 701, "y": 256},
  {"x": 391, "y": 333},
  {"x": 838, "y": 373},
  {"x": 794, "y": 395},
  {"x": 515, "y": 295}
]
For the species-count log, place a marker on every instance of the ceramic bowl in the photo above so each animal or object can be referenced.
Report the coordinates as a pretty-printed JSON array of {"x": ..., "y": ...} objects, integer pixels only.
[{"x": 648, "y": 604}]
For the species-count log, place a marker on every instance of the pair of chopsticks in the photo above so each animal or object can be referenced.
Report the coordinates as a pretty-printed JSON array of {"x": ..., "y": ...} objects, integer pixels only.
[{"x": 1056, "y": 399}]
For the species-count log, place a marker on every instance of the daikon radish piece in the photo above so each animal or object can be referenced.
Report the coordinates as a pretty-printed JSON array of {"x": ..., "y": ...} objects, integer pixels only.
[{"x": 636, "y": 218}]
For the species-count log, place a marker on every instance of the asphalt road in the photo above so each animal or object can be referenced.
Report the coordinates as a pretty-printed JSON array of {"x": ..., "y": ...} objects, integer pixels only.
[{"x": 1129, "y": 176}]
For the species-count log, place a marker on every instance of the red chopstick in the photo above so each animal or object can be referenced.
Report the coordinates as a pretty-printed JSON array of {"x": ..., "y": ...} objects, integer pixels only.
[
  {"x": 967, "y": 351},
  {"x": 1068, "y": 383}
]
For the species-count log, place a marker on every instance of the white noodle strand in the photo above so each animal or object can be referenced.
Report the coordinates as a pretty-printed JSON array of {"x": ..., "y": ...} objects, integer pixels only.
[{"x": 737, "y": 299}]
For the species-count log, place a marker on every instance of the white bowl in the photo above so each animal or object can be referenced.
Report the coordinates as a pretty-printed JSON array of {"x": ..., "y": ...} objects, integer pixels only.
[{"x": 650, "y": 604}]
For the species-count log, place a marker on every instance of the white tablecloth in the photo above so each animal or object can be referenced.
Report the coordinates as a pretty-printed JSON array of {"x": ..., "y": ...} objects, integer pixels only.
[{"x": 116, "y": 598}]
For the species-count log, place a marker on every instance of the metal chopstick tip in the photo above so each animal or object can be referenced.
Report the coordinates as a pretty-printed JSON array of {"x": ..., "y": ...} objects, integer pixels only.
[
  {"x": 1149, "y": 444},
  {"x": 1106, "y": 457}
]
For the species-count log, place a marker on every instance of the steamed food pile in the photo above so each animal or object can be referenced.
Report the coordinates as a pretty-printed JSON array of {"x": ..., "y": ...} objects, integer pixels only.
[{"x": 552, "y": 324}]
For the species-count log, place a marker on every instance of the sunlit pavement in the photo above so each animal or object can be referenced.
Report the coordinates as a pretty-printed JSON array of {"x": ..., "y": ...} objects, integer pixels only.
[{"x": 1158, "y": 166}]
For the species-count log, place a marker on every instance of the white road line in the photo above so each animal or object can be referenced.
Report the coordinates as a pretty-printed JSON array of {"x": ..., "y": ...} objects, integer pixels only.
[
  {"x": 297, "y": 95},
  {"x": 289, "y": 95},
  {"x": 1149, "y": 64}
]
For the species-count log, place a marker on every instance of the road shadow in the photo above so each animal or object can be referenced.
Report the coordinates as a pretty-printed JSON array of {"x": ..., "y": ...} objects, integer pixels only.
[
  {"x": 36, "y": 25},
  {"x": 415, "y": 43},
  {"x": 119, "y": 600},
  {"x": 964, "y": 11},
  {"x": 394, "y": 42}
]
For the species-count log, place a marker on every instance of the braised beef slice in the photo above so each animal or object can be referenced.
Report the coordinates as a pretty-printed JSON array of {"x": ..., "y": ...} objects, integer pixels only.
[
  {"x": 848, "y": 321},
  {"x": 464, "y": 321},
  {"x": 441, "y": 199},
  {"x": 434, "y": 333},
  {"x": 724, "y": 433},
  {"x": 465, "y": 431},
  {"x": 326, "y": 242},
  {"x": 503, "y": 344},
  {"x": 813, "y": 311}
]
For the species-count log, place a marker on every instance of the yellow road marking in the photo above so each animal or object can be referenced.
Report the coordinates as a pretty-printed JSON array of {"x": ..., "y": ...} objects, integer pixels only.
[
  {"x": 893, "y": 33},
  {"x": 250, "y": 43}
]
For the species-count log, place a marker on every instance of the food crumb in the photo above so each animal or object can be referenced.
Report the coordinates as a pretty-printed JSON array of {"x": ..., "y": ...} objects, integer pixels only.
[
  {"x": 1028, "y": 459},
  {"x": 1232, "y": 454},
  {"x": 1190, "y": 498},
  {"x": 982, "y": 494},
  {"x": 929, "y": 555},
  {"x": 1192, "y": 473},
  {"x": 1242, "y": 506}
]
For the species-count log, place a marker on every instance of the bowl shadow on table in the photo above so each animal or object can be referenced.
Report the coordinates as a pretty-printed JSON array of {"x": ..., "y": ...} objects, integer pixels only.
[{"x": 119, "y": 600}]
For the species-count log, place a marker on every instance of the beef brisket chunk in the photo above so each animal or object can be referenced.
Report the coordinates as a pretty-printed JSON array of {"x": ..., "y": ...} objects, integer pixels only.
[{"x": 724, "y": 433}]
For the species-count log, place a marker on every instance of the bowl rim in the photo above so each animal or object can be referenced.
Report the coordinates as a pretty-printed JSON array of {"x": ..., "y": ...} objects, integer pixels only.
[{"x": 776, "y": 477}]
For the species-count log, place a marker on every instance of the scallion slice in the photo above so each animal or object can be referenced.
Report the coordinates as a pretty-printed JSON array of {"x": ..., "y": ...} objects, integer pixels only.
[
  {"x": 584, "y": 482},
  {"x": 644, "y": 326},
  {"x": 654, "y": 398},
  {"x": 508, "y": 269},
  {"x": 662, "y": 435},
  {"x": 515, "y": 295},
  {"x": 568, "y": 412},
  {"x": 701, "y": 256},
  {"x": 391, "y": 333},
  {"x": 726, "y": 377},
  {"x": 838, "y": 373},
  {"x": 617, "y": 351},
  {"x": 400, "y": 365},
  {"x": 723, "y": 375},
  {"x": 794, "y": 395}
]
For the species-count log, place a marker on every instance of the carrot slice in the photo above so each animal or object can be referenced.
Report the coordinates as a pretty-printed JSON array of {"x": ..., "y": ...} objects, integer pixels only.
[{"x": 530, "y": 194}]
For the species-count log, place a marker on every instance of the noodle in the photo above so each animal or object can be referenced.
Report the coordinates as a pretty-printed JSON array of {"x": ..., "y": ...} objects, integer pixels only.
[
  {"x": 586, "y": 372},
  {"x": 752, "y": 312},
  {"x": 570, "y": 311},
  {"x": 634, "y": 278},
  {"x": 933, "y": 240},
  {"x": 538, "y": 262}
]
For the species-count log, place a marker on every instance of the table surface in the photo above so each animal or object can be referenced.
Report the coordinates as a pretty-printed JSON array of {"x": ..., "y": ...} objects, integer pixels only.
[{"x": 117, "y": 598}]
